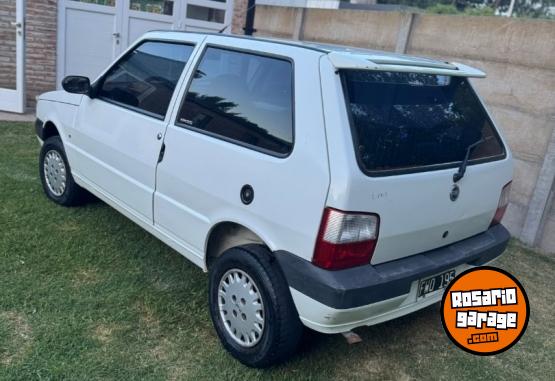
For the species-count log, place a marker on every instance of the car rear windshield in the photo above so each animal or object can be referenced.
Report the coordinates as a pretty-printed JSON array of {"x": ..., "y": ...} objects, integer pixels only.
[{"x": 413, "y": 122}]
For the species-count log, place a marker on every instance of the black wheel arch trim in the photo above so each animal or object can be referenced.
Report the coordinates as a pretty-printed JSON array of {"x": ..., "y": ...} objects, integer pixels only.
[
  {"x": 367, "y": 284},
  {"x": 39, "y": 128}
]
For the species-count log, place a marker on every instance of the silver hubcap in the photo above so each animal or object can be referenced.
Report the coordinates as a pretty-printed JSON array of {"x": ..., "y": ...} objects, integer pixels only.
[
  {"x": 55, "y": 172},
  {"x": 241, "y": 307}
]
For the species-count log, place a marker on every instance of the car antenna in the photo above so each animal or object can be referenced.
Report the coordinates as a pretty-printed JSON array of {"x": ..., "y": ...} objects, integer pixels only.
[{"x": 242, "y": 13}]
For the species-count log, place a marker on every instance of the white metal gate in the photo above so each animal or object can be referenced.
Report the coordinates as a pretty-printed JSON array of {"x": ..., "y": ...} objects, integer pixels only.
[
  {"x": 92, "y": 33},
  {"x": 12, "y": 53}
]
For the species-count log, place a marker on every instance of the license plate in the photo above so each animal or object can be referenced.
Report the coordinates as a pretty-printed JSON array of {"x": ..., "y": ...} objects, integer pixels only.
[{"x": 437, "y": 282}]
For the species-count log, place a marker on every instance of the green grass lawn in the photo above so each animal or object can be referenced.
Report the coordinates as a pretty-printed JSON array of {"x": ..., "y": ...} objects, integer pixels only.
[{"x": 86, "y": 294}]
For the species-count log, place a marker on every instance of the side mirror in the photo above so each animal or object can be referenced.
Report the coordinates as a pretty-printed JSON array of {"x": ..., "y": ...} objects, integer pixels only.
[{"x": 77, "y": 84}]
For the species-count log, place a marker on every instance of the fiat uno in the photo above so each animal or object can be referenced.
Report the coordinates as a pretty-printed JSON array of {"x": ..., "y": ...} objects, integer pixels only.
[{"x": 319, "y": 186}]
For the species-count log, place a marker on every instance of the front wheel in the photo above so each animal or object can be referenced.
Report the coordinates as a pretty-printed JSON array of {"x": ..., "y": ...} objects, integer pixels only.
[
  {"x": 251, "y": 307},
  {"x": 55, "y": 175}
]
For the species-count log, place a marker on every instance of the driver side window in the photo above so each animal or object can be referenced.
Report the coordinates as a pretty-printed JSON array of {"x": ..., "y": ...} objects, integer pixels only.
[{"x": 145, "y": 78}]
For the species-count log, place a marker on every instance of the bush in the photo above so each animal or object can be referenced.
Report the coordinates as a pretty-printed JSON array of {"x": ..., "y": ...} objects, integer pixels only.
[
  {"x": 443, "y": 9},
  {"x": 481, "y": 11},
  {"x": 449, "y": 9}
]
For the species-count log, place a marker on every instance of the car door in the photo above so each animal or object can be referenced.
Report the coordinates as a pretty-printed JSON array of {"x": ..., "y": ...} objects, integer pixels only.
[
  {"x": 118, "y": 134},
  {"x": 235, "y": 126}
]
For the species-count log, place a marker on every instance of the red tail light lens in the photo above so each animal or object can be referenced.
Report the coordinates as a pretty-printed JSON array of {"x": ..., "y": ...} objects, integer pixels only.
[
  {"x": 345, "y": 239},
  {"x": 502, "y": 206}
]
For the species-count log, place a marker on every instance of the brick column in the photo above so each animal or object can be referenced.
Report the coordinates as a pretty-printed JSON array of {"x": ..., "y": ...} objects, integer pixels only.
[
  {"x": 40, "y": 48},
  {"x": 239, "y": 16},
  {"x": 7, "y": 44}
]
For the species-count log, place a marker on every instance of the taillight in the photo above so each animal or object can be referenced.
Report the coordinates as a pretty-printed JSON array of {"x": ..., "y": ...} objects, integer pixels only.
[
  {"x": 345, "y": 239},
  {"x": 502, "y": 206}
]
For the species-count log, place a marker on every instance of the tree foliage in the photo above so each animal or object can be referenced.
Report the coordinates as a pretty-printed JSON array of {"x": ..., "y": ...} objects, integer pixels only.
[{"x": 522, "y": 8}]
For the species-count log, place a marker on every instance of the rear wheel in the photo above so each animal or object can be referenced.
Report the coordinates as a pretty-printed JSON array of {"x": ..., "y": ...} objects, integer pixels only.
[
  {"x": 55, "y": 175},
  {"x": 251, "y": 307}
]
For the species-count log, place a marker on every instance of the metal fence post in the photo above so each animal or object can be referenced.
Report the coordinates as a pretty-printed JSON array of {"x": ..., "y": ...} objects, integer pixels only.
[
  {"x": 540, "y": 202},
  {"x": 405, "y": 29},
  {"x": 249, "y": 21},
  {"x": 299, "y": 24}
]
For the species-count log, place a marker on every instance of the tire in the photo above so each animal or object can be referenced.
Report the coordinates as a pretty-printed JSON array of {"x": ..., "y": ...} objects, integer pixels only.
[
  {"x": 282, "y": 328},
  {"x": 72, "y": 194}
]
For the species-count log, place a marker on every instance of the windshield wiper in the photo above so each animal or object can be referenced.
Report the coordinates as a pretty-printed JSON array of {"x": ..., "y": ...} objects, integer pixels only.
[{"x": 462, "y": 169}]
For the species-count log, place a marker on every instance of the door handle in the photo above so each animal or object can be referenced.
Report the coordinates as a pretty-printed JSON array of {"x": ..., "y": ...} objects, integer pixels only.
[
  {"x": 116, "y": 35},
  {"x": 161, "y": 154}
]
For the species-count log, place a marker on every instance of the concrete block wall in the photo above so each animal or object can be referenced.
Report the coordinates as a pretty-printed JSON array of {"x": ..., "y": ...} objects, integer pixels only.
[
  {"x": 338, "y": 26},
  {"x": 519, "y": 59},
  {"x": 517, "y": 54}
]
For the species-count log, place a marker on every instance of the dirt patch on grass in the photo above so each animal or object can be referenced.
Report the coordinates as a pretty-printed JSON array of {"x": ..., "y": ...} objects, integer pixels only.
[
  {"x": 162, "y": 351},
  {"x": 104, "y": 333},
  {"x": 85, "y": 277},
  {"x": 161, "y": 284},
  {"x": 68, "y": 226},
  {"x": 16, "y": 337},
  {"x": 374, "y": 367},
  {"x": 149, "y": 323},
  {"x": 159, "y": 347}
]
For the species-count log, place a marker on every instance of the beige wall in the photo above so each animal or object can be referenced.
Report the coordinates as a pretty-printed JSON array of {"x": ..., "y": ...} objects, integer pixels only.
[{"x": 517, "y": 54}]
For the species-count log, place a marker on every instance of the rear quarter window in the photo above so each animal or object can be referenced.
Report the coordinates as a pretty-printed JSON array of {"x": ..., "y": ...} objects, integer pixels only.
[
  {"x": 412, "y": 122},
  {"x": 243, "y": 98}
]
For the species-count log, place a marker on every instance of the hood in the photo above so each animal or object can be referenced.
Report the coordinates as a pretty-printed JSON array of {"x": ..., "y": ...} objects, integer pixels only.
[{"x": 61, "y": 96}]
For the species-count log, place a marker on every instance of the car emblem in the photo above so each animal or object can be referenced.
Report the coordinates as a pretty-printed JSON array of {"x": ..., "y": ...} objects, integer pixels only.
[{"x": 454, "y": 195}]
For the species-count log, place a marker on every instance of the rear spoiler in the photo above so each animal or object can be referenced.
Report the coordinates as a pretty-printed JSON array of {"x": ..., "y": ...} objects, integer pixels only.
[{"x": 382, "y": 63}]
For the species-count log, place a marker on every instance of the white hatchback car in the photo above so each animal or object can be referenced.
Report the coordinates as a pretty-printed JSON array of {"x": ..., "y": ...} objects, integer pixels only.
[{"x": 319, "y": 185}]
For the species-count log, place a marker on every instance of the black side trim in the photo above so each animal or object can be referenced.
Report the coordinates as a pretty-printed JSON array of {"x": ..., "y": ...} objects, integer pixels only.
[
  {"x": 368, "y": 284},
  {"x": 162, "y": 152},
  {"x": 38, "y": 128}
]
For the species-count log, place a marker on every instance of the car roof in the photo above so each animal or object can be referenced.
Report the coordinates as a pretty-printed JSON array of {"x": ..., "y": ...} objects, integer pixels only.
[{"x": 349, "y": 57}]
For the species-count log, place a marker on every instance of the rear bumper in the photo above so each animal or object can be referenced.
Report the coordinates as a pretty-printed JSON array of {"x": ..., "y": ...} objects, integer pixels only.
[{"x": 390, "y": 282}]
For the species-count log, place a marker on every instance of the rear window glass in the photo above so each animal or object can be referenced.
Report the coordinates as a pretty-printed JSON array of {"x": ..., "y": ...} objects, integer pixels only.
[{"x": 412, "y": 122}]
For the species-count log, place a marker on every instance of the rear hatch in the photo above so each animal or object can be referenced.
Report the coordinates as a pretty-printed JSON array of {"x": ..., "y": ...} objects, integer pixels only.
[{"x": 411, "y": 132}]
